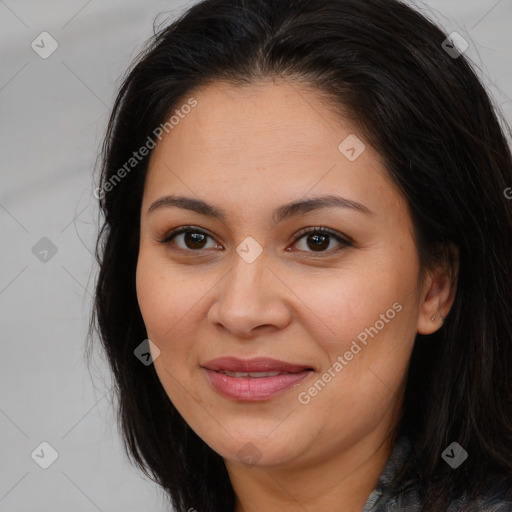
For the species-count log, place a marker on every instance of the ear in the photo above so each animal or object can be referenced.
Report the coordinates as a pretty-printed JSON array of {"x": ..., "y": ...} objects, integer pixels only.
[{"x": 438, "y": 293}]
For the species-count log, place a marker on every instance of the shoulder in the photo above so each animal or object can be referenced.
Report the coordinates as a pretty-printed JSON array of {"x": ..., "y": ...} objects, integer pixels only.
[{"x": 496, "y": 498}]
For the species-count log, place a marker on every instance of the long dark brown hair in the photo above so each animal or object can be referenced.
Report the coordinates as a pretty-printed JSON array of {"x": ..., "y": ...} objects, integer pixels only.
[{"x": 431, "y": 120}]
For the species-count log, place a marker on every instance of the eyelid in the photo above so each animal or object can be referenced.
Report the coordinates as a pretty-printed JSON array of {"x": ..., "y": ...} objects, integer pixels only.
[
  {"x": 344, "y": 240},
  {"x": 183, "y": 229},
  {"x": 324, "y": 230}
]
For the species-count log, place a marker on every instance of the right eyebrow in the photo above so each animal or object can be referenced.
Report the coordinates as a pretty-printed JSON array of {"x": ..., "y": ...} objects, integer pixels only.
[{"x": 189, "y": 203}]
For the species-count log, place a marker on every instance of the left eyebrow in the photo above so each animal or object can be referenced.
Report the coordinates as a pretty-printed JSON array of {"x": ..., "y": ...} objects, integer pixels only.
[
  {"x": 283, "y": 212},
  {"x": 316, "y": 203}
]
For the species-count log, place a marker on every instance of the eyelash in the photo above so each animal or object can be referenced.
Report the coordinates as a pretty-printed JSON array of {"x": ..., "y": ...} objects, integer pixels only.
[{"x": 316, "y": 230}]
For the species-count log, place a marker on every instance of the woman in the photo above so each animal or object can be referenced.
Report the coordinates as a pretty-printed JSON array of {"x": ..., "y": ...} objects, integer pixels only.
[{"x": 305, "y": 287}]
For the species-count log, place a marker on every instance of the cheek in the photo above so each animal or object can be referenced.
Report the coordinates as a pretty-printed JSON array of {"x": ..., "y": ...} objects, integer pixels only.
[
  {"x": 152, "y": 295},
  {"x": 164, "y": 296},
  {"x": 341, "y": 306},
  {"x": 366, "y": 316},
  {"x": 166, "y": 301}
]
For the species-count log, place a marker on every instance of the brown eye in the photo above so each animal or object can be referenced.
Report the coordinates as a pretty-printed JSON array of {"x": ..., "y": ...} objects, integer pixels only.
[
  {"x": 319, "y": 240},
  {"x": 192, "y": 239}
]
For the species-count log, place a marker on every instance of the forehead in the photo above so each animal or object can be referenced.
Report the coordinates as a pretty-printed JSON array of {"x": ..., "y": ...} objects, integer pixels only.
[
  {"x": 268, "y": 119},
  {"x": 264, "y": 141}
]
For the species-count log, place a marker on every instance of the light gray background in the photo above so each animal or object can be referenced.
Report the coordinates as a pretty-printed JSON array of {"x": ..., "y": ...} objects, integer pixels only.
[{"x": 53, "y": 114}]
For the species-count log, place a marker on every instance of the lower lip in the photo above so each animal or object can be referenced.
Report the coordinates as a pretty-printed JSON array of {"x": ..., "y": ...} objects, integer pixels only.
[{"x": 253, "y": 389}]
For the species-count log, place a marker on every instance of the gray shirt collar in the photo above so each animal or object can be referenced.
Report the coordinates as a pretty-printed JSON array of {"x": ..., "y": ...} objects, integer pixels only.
[{"x": 381, "y": 499}]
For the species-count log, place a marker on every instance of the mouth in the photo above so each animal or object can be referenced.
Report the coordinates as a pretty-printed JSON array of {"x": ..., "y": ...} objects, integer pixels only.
[
  {"x": 255, "y": 367},
  {"x": 255, "y": 375},
  {"x": 253, "y": 379}
]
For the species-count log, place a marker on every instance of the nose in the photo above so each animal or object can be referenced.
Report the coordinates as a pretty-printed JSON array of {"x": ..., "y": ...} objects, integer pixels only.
[{"x": 252, "y": 296}]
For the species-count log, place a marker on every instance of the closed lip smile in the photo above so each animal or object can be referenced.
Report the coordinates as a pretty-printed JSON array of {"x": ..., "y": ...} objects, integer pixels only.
[{"x": 255, "y": 379}]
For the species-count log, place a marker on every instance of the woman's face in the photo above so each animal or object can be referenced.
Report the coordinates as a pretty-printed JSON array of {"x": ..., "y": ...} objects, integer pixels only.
[{"x": 250, "y": 284}]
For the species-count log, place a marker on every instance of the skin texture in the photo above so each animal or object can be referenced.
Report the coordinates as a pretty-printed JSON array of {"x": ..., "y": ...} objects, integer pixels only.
[{"x": 249, "y": 150}]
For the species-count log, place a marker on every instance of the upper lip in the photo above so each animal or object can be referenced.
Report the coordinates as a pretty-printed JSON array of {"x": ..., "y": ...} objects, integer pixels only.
[{"x": 256, "y": 364}]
